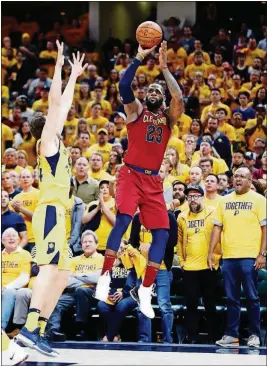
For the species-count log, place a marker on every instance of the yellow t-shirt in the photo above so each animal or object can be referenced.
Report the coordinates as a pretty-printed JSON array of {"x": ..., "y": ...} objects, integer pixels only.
[
  {"x": 150, "y": 74},
  {"x": 191, "y": 70},
  {"x": 241, "y": 217},
  {"x": 18, "y": 169},
  {"x": 30, "y": 147},
  {"x": 184, "y": 123},
  {"x": 219, "y": 165},
  {"x": 258, "y": 133},
  {"x": 105, "y": 112},
  {"x": 254, "y": 91},
  {"x": 48, "y": 54},
  {"x": 83, "y": 265},
  {"x": 177, "y": 58},
  {"x": 197, "y": 240},
  {"x": 14, "y": 264},
  {"x": 7, "y": 135},
  {"x": 29, "y": 202},
  {"x": 178, "y": 144},
  {"x": 41, "y": 106},
  {"x": 175, "y": 131},
  {"x": 103, "y": 150},
  {"x": 68, "y": 217},
  {"x": 235, "y": 91},
  {"x": 251, "y": 54},
  {"x": 213, "y": 203},
  {"x": 206, "y": 58},
  {"x": 216, "y": 71},
  {"x": 105, "y": 226},
  {"x": 102, "y": 174},
  {"x": 213, "y": 109},
  {"x": 228, "y": 131},
  {"x": 95, "y": 124},
  {"x": 70, "y": 131},
  {"x": 184, "y": 173}
]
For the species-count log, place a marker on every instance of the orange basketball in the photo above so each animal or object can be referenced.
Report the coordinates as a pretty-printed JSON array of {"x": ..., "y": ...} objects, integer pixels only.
[{"x": 148, "y": 34}]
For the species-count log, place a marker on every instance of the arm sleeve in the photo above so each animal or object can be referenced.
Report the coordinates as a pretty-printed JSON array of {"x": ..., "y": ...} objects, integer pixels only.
[
  {"x": 218, "y": 217},
  {"x": 126, "y": 92},
  {"x": 19, "y": 282},
  {"x": 21, "y": 226},
  {"x": 261, "y": 210}
]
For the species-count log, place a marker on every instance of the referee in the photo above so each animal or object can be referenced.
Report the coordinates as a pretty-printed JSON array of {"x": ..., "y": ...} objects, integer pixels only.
[{"x": 241, "y": 218}]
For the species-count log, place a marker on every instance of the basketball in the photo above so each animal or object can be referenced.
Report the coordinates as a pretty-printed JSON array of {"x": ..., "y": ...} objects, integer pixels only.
[{"x": 148, "y": 34}]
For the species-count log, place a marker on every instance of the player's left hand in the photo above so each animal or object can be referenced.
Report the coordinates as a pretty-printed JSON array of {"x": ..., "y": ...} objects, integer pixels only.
[
  {"x": 260, "y": 262},
  {"x": 77, "y": 67},
  {"x": 163, "y": 55}
]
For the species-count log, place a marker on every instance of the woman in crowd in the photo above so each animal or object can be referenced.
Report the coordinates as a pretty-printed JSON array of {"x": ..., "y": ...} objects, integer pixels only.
[
  {"x": 114, "y": 160},
  {"x": 22, "y": 159},
  {"x": 83, "y": 99},
  {"x": 113, "y": 97},
  {"x": 25, "y": 141},
  {"x": 180, "y": 171},
  {"x": 112, "y": 79}
]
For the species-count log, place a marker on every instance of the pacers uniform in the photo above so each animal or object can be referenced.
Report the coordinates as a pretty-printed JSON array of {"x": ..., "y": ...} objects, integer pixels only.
[
  {"x": 139, "y": 183},
  {"x": 48, "y": 222}
]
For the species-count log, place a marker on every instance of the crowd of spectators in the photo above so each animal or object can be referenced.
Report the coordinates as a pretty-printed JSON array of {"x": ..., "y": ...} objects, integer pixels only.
[{"x": 223, "y": 128}]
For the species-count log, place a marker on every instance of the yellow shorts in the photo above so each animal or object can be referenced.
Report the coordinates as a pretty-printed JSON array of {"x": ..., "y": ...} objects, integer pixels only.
[{"x": 49, "y": 230}]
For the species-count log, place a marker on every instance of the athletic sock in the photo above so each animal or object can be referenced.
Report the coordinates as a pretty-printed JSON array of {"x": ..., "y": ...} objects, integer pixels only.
[
  {"x": 32, "y": 319},
  {"x": 108, "y": 263},
  {"x": 42, "y": 323},
  {"x": 151, "y": 273},
  {"x": 5, "y": 341}
]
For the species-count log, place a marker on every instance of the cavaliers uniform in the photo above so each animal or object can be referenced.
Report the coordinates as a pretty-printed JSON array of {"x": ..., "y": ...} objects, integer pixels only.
[
  {"x": 148, "y": 137},
  {"x": 48, "y": 221}
]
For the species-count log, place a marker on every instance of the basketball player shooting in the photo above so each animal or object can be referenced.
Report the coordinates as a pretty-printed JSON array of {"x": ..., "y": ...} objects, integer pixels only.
[
  {"x": 48, "y": 220},
  {"x": 139, "y": 184}
]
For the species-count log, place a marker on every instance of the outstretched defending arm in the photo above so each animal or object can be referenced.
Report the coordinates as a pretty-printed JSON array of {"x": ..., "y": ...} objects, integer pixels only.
[
  {"x": 132, "y": 106},
  {"x": 176, "y": 105}
]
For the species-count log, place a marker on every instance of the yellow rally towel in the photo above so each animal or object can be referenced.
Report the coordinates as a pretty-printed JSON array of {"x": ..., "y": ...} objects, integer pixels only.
[{"x": 131, "y": 257}]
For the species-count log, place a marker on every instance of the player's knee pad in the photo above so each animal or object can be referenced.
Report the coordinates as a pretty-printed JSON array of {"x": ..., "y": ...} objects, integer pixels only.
[{"x": 158, "y": 246}]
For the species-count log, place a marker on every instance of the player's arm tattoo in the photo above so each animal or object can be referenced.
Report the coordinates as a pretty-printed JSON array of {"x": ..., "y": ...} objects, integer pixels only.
[{"x": 176, "y": 104}]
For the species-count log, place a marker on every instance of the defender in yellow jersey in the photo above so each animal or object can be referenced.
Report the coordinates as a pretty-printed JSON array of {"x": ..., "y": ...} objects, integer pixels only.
[{"x": 48, "y": 222}]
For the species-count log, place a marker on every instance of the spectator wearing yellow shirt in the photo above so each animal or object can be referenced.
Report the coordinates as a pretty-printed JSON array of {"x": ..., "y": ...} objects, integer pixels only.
[
  {"x": 200, "y": 89},
  {"x": 198, "y": 48},
  {"x": 96, "y": 121},
  {"x": 194, "y": 232},
  {"x": 206, "y": 165},
  {"x": 97, "y": 171},
  {"x": 217, "y": 69},
  {"x": 122, "y": 62},
  {"x": 235, "y": 90},
  {"x": 257, "y": 127},
  {"x": 224, "y": 127},
  {"x": 177, "y": 55},
  {"x": 197, "y": 65},
  {"x": 70, "y": 126},
  {"x": 85, "y": 271},
  {"x": 119, "y": 120},
  {"x": 100, "y": 216},
  {"x": 48, "y": 58},
  {"x": 16, "y": 267},
  {"x": 253, "y": 80},
  {"x": 7, "y": 45},
  {"x": 83, "y": 98},
  {"x": 11, "y": 161},
  {"x": 25, "y": 204},
  {"x": 240, "y": 221},
  {"x": 83, "y": 142},
  {"x": 263, "y": 84},
  {"x": 75, "y": 153},
  {"x": 212, "y": 198},
  {"x": 112, "y": 79},
  {"x": 184, "y": 123},
  {"x": 25, "y": 141},
  {"x": 240, "y": 142},
  {"x": 180, "y": 171},
  {"x": 106, "y": 106},
  {"x": 150, "y": 70},
  {"x": 41, "y": 105},
  {"x": 102, "y": 146},
  {"x": 210, "y": 110},
  {"x": 252, "y": 51}
]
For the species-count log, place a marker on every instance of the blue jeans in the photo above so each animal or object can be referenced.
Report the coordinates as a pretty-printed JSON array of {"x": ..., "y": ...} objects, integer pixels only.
[
  {"x": 163, "y": 288},
  {"x": 84, "y": 301},
  {"x": 8, "y": 304},
  {"x": 113, "y": 315},
  {"x": 237, "y": 272}
]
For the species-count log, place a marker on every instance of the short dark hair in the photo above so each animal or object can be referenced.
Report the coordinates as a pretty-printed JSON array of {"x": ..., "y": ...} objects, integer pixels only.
[
  {"x": 216, "y": 89},
  {"x": 176, "y": 182},
  {"x": 205, "y": 160},
  {"x": 37, "y": 122},
  {"x": 43, "y": 69},
  {"x": 244, "y": 93},
  {"x": 198, "y": 53},
  {"x": 213, "y": 175},
  {"x": 93, "y": 105},
  {"x": 239, "y": 152},
  {"x": 76, "y": 147},
  {"x": 228, "y": 179},
  {"x": 222, "y": 109}
]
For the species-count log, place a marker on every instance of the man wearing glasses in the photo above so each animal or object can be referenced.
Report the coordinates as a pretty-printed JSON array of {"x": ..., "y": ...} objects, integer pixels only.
[{"x": 194, "y": 231}]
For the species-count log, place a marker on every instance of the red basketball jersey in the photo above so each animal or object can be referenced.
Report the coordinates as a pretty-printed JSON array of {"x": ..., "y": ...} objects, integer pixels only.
[{"x": 148, "y": 137}]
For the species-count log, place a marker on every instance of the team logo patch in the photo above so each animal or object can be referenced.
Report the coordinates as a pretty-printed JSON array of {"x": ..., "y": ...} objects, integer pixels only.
[{"x": 51, "y": 247}]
